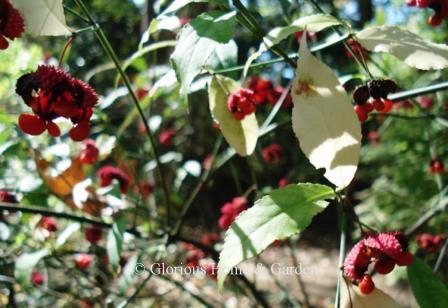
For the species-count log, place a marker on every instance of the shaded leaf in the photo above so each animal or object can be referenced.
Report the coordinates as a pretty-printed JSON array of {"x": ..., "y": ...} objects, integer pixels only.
[
  {"x": 284, "y": 212},
  {"x": 406, "y": 46},
  {"x": 241, "y": 135},
  {"x": 323, "y": 119},
  {"x": 66, "y": 233},
  {"x": 178, "y": 4},
  {"x": 428, "y": 289},
  {"x": 43, "y": 17},
  {"x": 115, "y": 241}
]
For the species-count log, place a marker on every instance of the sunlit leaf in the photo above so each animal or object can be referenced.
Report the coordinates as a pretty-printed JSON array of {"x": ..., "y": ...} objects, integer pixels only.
[
  {"x": 241, "y": 135},
  {"x": 196, "y": 43},
  {"x": 284, "y": 212},
  {"x": 323, "y": 119},
  {"x": 406, "y": 46},
  {"x": 43, "y": 17}
]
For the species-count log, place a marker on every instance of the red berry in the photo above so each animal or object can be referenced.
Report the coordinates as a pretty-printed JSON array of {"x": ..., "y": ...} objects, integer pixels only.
[
  {"x": 385, "y": 266},
  {"x": 3, "y": 42},
  {"x": 366, "y": 285},
  {"x": 49, "y": 224},
  {"x": 90, "y": 153},
  {"x": 37, "y": 278},
  {"x": 424, "y": 3},
  {"x": 362, "y": 115},
  {"x": 80, "y": 131},
  {"x": 405, "y": 259},
  {"x": 378, "y": 104},
  {"x": 367, "y": 107},
  {"x": 387, "y": 106},
  {"x": 31, "y": 124},
  {"x": 53, "y": 129},
  {"x": 82, "y": 261},
  {"x": 434, "y": 20},
  {"x": 94, "y": 234}
]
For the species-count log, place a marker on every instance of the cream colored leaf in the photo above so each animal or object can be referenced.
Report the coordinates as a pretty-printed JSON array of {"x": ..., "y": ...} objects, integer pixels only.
[
  {"x": 406, "y": 46},
  {"x": 241, "y": 135},
  {"x": 351, "y": 297},
  {"x": 323, "y": 119},
  {"x": 43, "y": 17}
]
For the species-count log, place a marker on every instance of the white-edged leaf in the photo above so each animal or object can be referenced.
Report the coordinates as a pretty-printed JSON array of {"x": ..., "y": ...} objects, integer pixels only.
[
  {"x": 241, "y": 135},
  {"x": 25, "y": 264},
  {"x": 43, "y": 17},
  {"x": 196, "y": 43},
  {"x": 323, "y": 119},
  {"x": 351, "y": 297},
  {"x": 115, "y": 241},
  {"x": 406, "y": 46},
  {"x": 284, "y": 212}
]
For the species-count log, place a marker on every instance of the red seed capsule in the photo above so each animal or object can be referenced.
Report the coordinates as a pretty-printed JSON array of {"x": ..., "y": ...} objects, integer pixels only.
[
  {"x": 378, "y": 104},
  {"x": 80, "y": 131},
  {"x": 31, "y": 124},
  {"x": 385, "y": 266},
  {"x": 366, "y": 285},
  {"x": 362, "y": 115},
  {"x": 53, "y": 129}
]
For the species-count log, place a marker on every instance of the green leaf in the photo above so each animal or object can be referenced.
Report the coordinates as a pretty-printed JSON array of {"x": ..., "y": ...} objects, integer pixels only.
[
  {"x": 115, "y": 241},
  {"x": 428, "y": 289},
  {"x": 25, "y": 264},
  {"x": 406, "y": 46},
  {"x": 197, "y": 41},
  {"x": 281, "y": 214},
  {"x": 128, "y": 275},
  {"x": 241, "y": 135}
]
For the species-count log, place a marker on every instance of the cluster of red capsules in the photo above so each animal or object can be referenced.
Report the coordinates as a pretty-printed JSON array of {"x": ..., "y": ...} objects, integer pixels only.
[
  {"x": 373, "y": 96},
  {"x": 260, "y": 91},
  {"x": 436, "y": 166},
  {"x": 440, "y": 8},
  {"x": 11, "y": 23},
  {"x": 429, "y": 242},
  {"x": 383, "y": 250},
  {"x": 52, "y": 93}
]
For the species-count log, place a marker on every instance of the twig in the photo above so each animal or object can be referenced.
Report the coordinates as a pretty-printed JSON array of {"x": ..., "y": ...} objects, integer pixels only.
[
  {"x": 181, "y": 286},
  {"x": 342, "y": 226},
  {"x": 441, "y": 256},
  {"x": 295, "y": 262},
  {"x": 104, "y": 42}
]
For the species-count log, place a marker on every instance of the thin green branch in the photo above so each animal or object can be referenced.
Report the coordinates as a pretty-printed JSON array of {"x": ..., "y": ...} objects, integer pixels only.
[
  {"x": 252, "y": 25},
  {"x": 403, "y": 95},
  {"x": 293, "y": 56},
  {"x": 342, "y": 221},
  {"x": 111, "y": 53}
]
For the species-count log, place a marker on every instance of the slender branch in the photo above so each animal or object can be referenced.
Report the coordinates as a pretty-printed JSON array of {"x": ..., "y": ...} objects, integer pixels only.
[
  {"x": 13, "y": 207},
  {"x": 403, "y": 95},
  {"x": 252, "y": 25},
  {"x": 111, "y": 53},
  {"x": 342, "y": 227},
  {"x": 181, "y": 286},
  {"x": 347, "y": 46},
  {"x": 296, "y": 264},
  {"x": 441, "y": 256},
  {"x": 197, "y": 189},
  {"x": 131, "y": 298}
]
